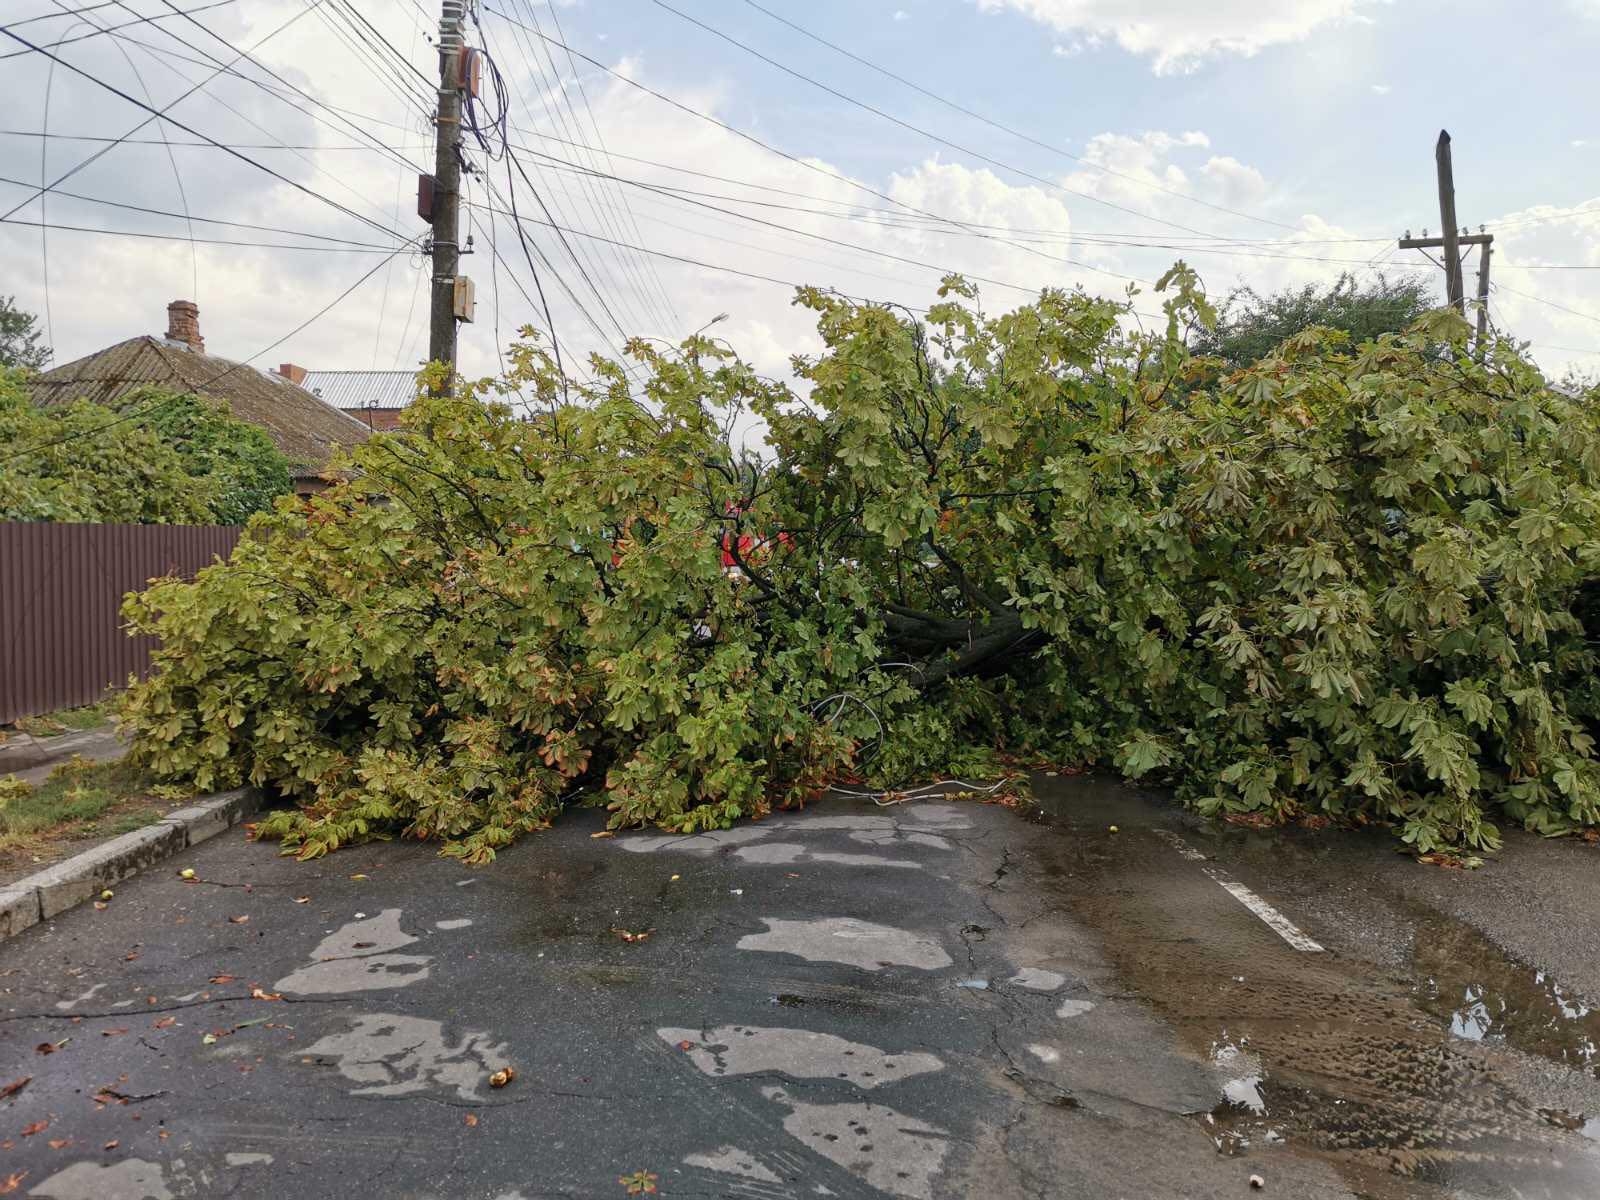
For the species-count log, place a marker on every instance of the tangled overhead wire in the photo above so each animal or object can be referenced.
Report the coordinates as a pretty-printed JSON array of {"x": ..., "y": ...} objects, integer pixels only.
[{"x": 486, "y": 117}]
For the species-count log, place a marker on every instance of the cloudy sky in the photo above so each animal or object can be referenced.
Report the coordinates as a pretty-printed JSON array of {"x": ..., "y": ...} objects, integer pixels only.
[{"x": 675, "y": 160}]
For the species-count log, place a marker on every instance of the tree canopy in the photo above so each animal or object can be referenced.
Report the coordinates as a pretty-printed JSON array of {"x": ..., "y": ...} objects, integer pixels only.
[
  {"x": 181, "y": 460},
  {"x": 1250, "y": 326},
  {"x": 1346, "y": 581},
  {"x": 19, "y": 341}
]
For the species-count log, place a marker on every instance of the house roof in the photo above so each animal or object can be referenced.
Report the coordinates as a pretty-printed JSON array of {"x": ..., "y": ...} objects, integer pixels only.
[
  {"x": 379, "y": 420},
  {"x": 362, "y": 389},
  {"x": 305, "y": 428}
]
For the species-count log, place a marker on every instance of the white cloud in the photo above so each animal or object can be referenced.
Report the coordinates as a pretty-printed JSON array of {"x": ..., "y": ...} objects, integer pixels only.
[
  {"x": 1177, "y": 35},
  {"x": 106, "y": 289},
  {"x": 901, "y": 14},
  {"x": 1382, "y": 89}
]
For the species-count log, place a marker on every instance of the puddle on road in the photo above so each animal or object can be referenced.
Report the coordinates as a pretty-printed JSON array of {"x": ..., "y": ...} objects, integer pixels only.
[
  {"x": 796, "y": 1053},
  {"x": 846, "y": 940},
  {"x": 895, "y": 1153},
  {"x": 1468, "y": 982},
  {"x": 1406, "y": 1088}
]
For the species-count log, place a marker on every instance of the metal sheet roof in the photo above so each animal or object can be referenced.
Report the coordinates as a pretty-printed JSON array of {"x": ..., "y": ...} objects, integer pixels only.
[{"x": 363, "y": 389}]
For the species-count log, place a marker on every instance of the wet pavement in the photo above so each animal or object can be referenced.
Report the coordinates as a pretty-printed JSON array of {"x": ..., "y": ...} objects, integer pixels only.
[{"x": 935, "y": 999}]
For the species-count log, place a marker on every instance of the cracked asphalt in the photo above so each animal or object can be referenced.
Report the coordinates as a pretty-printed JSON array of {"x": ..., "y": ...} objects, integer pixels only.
[{"x": 935, "y": 999}]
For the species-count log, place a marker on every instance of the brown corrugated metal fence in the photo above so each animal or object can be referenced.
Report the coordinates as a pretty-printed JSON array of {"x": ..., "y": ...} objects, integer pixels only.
[{"x": 62, "y": 640}]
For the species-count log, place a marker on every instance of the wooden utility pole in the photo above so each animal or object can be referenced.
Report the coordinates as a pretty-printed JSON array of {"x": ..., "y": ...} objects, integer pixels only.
[
  {"x": 1484, "y": 251},
  {"x": 1447, "y": 223},
  {"x": 1452, "y": 241},
  {"x": 446, "y": 210}
]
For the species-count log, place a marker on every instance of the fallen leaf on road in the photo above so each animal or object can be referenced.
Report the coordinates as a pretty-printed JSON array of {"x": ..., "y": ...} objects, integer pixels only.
[
  {"x": 640, "y": 1182},
  {"x": 163, "y": 1135},
  {"x": 130, "y": 956},
  {"x": 12, "y": 1182},
  {"x": 36, "y": 1127},
  {"x": 239, "y": 920},
  {"x": 604, "y": 833},
  {"x": 113, "y": 1032},
  {"x": 109, "y": 1095},
  {"x": 151, "y": 1000},
  {"x": 101, "y": 904},
  {"x": 112, "y": 1144},
  {"x": 59, "y": 1143},
  {"x": 360, "y": 876},
  {"x": 11, "y": 1089},
  {"x": 223, "y": 978},
  {"x": 209, "y": 1039},
  {"x": 46, "y": 1048},
  {"x": 166, "y": 1022},
  {"x": 472, "y": 1119},
  {"x": 628, "y": 935},
  {"x": 502, "y": 1077},
  {"x": 257, "y": 993},
  {"x": 302, "y": 899}
]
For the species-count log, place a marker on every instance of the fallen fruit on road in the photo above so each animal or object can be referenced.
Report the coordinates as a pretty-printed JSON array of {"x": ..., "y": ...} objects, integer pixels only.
[
  {"x": 107, "y": 894},
  {"x": 186, "y": 873},
  {"x": 502, "y": 1077}
]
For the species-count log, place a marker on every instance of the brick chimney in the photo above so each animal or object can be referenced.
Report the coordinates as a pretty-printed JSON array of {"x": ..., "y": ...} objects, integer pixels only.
[
  {"x": 183, "y": 325},
  {"x": 295, "y": 375}
]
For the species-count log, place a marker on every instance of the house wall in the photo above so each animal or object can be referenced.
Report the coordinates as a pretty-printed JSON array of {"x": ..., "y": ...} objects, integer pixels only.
[{"x": 62, "y": 640}]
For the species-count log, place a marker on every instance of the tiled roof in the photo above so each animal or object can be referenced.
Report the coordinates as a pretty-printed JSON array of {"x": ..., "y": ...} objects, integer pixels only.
[
  {"x": 362, "y": 389},
  {"x": 302, "y": 426}
]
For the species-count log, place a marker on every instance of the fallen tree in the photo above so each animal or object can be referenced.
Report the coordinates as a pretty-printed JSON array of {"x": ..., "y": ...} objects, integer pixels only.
[{"x": 1345, "y": 581}]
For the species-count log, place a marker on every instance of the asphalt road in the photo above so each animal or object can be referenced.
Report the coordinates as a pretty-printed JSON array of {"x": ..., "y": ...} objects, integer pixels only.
[{"x": 935, "y": 999}]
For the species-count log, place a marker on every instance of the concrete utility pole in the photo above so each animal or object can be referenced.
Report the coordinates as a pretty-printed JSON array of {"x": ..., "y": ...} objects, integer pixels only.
[
  {"x": 1453, "y": 240},
  {"x": 446, "y": 214}
]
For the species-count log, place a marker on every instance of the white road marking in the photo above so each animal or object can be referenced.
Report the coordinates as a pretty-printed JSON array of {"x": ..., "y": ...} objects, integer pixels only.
[{"x": 1275, "y": 920}]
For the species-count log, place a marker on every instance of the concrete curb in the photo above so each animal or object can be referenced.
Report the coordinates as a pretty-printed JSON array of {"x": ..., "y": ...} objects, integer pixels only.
[{"x": 54, "y": 890}]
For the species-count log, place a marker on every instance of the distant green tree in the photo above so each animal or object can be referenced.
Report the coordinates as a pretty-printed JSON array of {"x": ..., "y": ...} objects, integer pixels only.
[
  {"x": 183, "y": 461},
  {"x": 248, "y": 470},
  {"x": 1250, "y": 325},
  {"x": 19, "y": 340}
]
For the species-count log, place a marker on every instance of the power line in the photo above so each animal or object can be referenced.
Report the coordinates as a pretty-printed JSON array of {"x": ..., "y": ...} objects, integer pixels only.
[
  {"x": 132, "y": 141},
  {"x": 151, "y": 19},
  {"x": 185, "y": 237},
  {"x": 358, "y": 130},
  {"x": 798, "y": 161},
  {"x": 210, "y": 60},
  {"x": 1232, "y": 250},
  {"x": 583, "y": 94},
  {"x": 639, "y": 293},
  {"x": 1500, "y": 287},
  {"x": 172, "y": 159},
  {"x": 245, "y": 158},
  {"x": 927, "y": 133},
  {"x": 1016, "y": 133}
]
